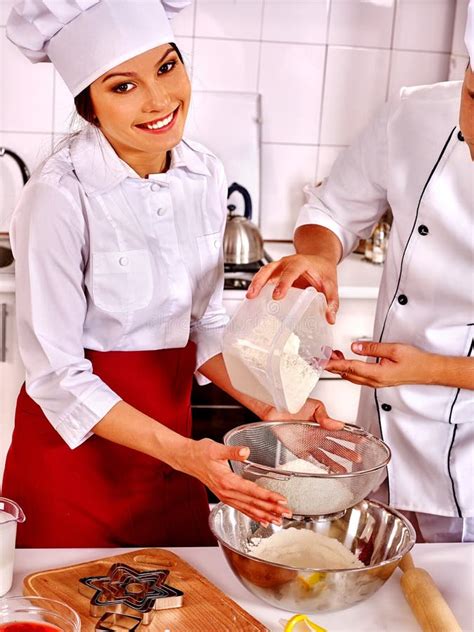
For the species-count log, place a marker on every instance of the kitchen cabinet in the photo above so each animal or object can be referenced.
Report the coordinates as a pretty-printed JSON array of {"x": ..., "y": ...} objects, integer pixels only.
[
  {"x": 12, "y": 373},
  {"x": 340, "y": 397}
]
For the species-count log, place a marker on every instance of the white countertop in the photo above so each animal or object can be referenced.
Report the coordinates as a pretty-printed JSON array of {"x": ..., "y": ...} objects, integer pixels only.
[
  {"x": 450, "y": 565},
  {"x": 357, "y": 278}
]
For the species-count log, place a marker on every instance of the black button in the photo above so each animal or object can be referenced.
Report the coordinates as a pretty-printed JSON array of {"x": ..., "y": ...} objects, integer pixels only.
[
  {"x": 460, "y": 137},
  {"x": 423, "y": 230},
  {"x": 402, "y": 299},
  {"x": 386, "y": 407}
]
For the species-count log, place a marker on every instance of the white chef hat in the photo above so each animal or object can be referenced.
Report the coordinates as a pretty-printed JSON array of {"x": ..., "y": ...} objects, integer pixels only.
[
  {"x": 469, "y": 37},
  {"x": 85, "y": 38}
]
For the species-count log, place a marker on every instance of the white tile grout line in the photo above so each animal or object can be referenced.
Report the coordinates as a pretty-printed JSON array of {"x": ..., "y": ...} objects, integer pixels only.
[
  {"x": 194, "y": 40},
  {"x": 323, "y": 86},
  {"x": 349, "y": 46},
  {"x": 260, "y": 41},
  {"x": 260, "y": 118}
]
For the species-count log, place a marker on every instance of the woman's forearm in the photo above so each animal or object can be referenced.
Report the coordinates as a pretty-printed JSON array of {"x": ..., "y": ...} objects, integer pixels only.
[
  {"x": 127, "y": 426},
  {"x": 205, "y": 460},
  {"x": 452, "y": 371},
  {"x": 215, "y": 370}
]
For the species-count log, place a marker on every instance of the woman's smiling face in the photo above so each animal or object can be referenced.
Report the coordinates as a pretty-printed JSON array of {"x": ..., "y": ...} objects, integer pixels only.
[{"x": 141, "y": 106}]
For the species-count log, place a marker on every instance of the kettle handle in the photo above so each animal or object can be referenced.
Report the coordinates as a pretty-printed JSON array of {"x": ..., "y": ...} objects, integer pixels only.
[{"x": 245, "y": 194}]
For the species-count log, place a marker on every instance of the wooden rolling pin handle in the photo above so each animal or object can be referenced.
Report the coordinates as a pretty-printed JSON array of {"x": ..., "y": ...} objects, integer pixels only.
[
  {"x": 406, "y": 562},
  {"x": 427, "y": 603}
]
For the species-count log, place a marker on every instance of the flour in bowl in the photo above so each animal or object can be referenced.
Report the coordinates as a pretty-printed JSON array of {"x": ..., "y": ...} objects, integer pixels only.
[
  {"x": 310, "y": 496},
  {"x": 303, "y": 548}
]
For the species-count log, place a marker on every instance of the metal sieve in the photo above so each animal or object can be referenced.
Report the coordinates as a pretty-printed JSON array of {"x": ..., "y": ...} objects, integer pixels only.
[{"x": 350, "y": 464}]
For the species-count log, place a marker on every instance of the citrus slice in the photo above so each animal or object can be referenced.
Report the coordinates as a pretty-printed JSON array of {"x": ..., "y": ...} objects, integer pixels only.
[{"x": 305, "y": 621}]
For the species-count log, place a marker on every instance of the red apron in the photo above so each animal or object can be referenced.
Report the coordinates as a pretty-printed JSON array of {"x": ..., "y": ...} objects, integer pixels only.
[{"x": 102, "y": 494}]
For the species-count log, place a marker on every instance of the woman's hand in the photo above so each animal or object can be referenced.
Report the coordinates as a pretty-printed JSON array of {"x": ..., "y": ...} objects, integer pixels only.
[
  {"x": 206, "y": 460},
  {"x": 301, "y": 271},
  {"x": 313, "y": 410},
  {"x": 399, "y": 364}
]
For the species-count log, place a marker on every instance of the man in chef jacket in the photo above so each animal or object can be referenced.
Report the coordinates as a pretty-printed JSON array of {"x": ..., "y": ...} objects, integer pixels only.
[{"x": 416, "y": 156}]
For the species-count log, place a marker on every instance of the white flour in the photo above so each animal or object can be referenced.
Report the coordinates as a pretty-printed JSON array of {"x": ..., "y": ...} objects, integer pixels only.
[
  {"x": 310, "y": 496},
  {"x": 298, "y": 378},
  {"x": 303, "y": 548}
]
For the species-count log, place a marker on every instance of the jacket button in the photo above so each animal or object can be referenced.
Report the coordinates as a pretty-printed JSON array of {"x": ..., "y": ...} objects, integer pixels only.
[
  {"x": 386, "y": 407},
  {"x": 161, "y": 212},
  {"x": 123, "y": 261},
  {"x": 155, "y": 187},
  {"x": 460, "y": 137},
  {"x": 402, "y": 299},
  {"x": 423, "y": 230}
]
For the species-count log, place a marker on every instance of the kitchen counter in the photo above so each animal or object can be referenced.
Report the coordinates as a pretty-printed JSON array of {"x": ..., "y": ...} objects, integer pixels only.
[{"x": 451, "y": 566}]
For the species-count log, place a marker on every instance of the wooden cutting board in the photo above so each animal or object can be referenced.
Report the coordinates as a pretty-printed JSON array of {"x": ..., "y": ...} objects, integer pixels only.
[{"x": 206, "y": 608}]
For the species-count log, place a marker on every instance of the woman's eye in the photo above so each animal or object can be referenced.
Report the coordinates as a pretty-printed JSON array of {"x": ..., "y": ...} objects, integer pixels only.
[
  {"x": 166, "y": 67},
  {"x": 123, "y": 87}
]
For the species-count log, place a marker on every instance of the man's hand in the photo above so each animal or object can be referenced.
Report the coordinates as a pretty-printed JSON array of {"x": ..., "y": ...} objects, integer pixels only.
[
  {"x": 317, "y": 442},
  {"x": 399, "y": 364},
  {"x": 301, "y": 271}
]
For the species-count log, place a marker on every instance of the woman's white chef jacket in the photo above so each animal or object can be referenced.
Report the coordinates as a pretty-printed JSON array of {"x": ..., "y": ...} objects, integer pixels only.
[
  {"x": 107, "y": 260},
  {"x": 413, "y": 156}
]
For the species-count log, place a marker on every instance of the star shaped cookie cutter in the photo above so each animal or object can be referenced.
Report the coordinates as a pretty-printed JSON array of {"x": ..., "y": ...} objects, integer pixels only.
[{"x": 126, "y": 591}]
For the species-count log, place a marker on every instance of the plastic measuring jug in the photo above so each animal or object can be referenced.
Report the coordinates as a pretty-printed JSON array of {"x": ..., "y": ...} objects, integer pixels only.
[
  {"x": 10, "y": 515},
  {"x": 276, "y": 351}
]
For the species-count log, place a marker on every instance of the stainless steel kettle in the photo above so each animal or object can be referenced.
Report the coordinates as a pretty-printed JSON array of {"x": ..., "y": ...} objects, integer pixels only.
[{"x": 243, "y": 242}]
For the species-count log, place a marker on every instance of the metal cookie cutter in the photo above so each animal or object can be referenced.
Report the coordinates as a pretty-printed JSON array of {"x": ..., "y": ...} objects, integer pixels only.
[
  {"x": 112, "y": 622},
  {"x": 126, "y": 591}
]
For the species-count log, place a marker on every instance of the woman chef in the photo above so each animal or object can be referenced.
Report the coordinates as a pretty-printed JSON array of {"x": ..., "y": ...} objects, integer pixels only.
[
  {"x": 119, "y": 275},
  {"x": 416, "y": 157}
]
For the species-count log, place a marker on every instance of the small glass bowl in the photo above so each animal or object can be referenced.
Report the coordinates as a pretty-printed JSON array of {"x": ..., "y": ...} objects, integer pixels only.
[{"x": 55, "y": 615}]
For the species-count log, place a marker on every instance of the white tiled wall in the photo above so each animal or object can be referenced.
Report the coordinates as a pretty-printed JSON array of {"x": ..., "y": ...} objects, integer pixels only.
[{"x": 323, "y": 68}]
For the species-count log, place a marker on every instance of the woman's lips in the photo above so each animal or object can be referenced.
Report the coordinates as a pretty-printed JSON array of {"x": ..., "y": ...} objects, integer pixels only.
[{"x": 159, "y": 126}]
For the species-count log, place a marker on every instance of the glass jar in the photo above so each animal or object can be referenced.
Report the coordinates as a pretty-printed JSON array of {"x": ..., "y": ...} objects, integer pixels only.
[
  {"x": 380, "y": 242},
  {"x": 37, "y": 614}
]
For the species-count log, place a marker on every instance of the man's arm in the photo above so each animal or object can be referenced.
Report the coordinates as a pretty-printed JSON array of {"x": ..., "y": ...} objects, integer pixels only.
[
  {"x": 306, "y": 268},
  {"x": 311, "y": 236}
]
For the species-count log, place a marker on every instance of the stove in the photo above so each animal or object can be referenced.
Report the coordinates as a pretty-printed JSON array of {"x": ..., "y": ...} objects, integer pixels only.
[{"x": 238, "y": 276}]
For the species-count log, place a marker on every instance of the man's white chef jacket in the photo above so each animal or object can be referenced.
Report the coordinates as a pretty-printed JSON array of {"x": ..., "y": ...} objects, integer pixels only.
[{"x": 413, "y": 157}]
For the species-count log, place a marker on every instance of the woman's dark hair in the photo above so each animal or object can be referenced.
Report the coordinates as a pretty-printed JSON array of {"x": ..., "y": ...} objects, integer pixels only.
[{"x": 83, "y": 101}]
